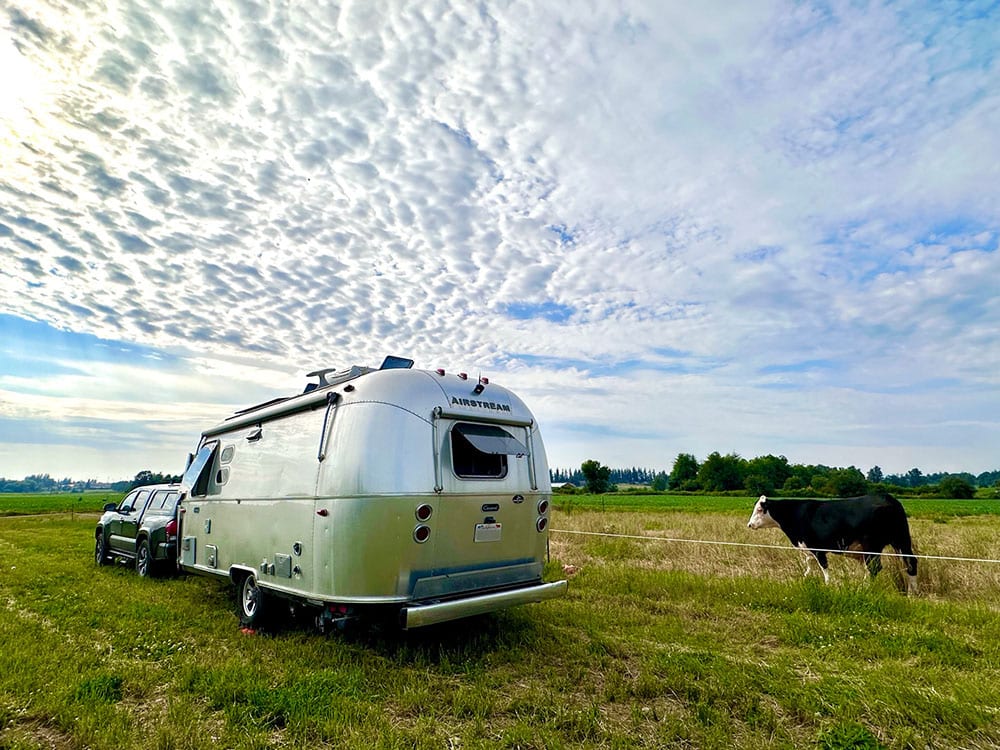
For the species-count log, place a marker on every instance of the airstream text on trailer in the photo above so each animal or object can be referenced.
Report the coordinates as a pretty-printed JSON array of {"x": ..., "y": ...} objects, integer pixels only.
[{"x": 423, "y": 491}]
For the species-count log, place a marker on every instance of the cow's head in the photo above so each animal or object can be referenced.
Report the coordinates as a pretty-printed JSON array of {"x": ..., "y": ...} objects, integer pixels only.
[{"x": 760, "y": 518}]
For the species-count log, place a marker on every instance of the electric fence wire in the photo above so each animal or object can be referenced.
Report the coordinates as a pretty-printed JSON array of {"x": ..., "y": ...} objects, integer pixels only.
[{"x": 767, "y": 546}]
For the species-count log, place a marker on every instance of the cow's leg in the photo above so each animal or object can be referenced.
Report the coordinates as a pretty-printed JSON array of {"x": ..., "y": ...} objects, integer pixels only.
[
  {"x": 856, "y": 551},
  {"x": 819, "y": 557},
  {"x": 910, "y": 563},
  {"x": 873, "y": 561}
]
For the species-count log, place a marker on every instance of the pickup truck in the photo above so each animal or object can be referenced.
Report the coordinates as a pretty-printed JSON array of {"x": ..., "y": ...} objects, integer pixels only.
[{"x": 142, "y": 527}]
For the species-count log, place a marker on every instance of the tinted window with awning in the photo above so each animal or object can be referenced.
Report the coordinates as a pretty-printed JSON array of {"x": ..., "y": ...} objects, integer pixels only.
[
  {"x": 479, "y": 451},
  {"x": 488, "y": 438}
]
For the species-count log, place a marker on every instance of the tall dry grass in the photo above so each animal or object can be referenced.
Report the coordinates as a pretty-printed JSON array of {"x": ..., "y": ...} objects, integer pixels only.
[{"x": 612, "y": 537}]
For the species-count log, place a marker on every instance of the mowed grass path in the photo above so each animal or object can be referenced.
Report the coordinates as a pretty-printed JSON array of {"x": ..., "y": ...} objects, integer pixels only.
[{"x": 658, "y": 644}]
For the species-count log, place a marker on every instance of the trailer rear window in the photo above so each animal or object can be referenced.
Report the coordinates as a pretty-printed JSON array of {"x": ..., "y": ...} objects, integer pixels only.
[{"x": 479, "y": 451}]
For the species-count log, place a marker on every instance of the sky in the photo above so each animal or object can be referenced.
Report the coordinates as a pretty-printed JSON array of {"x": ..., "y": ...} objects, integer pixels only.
[{"x": 670, "y": 227}]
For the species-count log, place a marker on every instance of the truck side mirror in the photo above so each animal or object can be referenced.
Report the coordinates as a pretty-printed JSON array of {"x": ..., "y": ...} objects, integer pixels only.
[{"x": 110, "y": 506}]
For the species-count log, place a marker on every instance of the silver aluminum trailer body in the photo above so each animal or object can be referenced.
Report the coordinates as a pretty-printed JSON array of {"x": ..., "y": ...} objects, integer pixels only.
[{"x": 423, "y": 491}]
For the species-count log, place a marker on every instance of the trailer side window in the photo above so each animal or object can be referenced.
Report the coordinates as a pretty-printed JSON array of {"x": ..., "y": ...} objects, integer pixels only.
[
  {"x": 479, "y": 451},
  {"x": 200, "y": 471}
]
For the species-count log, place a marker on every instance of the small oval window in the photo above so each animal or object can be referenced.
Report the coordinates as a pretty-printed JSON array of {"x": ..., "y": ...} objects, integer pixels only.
[
  {"x": 227, "y": 454},
  {"x": 222, "y": 475}
]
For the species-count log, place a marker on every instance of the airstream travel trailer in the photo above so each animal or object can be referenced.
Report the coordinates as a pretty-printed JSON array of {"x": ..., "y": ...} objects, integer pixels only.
[{"x": 423, "y": 492}]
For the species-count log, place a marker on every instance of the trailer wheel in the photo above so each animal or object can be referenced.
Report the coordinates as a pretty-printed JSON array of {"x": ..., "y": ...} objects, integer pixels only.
[{"x": 252, "y": 602}]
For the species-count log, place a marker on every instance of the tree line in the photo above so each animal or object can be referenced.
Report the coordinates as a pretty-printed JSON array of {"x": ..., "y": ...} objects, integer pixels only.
[
  {"x": 764, "y": 475},
  {"x": 772, "y": 475},
  {"x": 46, "y": 483}
]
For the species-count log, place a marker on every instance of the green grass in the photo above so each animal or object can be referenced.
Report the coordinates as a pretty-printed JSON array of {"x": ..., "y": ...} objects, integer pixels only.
[
  {"x": 29, "y": 503},
  {"x": 656, "y": 645}
]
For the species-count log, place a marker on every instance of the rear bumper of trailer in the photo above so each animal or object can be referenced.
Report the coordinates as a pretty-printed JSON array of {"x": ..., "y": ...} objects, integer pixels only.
[{"x": 418, "y": 615}]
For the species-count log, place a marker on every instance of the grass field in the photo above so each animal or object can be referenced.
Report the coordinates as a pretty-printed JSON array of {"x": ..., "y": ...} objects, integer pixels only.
[
  {"x": 28, "y": 503},
  {"x": 658, "y": 644}
]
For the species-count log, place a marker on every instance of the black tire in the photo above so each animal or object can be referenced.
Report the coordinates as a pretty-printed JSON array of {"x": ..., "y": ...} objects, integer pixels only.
[
  {"x": 144, "y": 560},
  {"x": 101, "y": 550},
  {"x": 252, "y": 603}
]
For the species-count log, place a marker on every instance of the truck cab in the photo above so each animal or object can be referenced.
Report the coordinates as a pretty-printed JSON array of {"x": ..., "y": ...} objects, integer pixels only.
[{"x": 142, "y": 528}]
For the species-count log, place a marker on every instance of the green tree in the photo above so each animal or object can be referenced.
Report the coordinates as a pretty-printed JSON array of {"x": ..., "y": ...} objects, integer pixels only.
[
  {"x": 721, "y": 473},
  {"x": 660, "y": 482},
  {"x": 685, "y": 469},
  {"x": 598, "y": 476},
  {"x": 849, "y": 482},
  {"x": 794, "y": 483},
  {"x": 956, "y": 488},
  {"x": 875, "y": 475},
  {"x": 765, "y": 474}
]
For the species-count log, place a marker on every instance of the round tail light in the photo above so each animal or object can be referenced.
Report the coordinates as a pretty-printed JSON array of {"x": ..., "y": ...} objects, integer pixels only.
[
  {"x": 421, "y": 534},
  {"x": 424, "y": 512},
  {"x": 542, "y": 523},
  {"x": 543, "y": 505}
]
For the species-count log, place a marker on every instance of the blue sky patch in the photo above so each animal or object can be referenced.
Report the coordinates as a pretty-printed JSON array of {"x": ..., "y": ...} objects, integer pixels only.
[
  {"x": 32, "y": 346},
  {"x": 808, "y": 365},
  {"x": 604, "y": 430},
  {"x": 554, "y": 312}
]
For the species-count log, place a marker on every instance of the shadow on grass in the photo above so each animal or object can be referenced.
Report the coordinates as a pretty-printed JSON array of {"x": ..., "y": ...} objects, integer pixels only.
[{"x": 376, "y": 630}]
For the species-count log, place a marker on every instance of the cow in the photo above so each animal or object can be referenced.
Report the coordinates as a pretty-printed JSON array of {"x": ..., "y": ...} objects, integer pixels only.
[{"x": 863, "y": 526}]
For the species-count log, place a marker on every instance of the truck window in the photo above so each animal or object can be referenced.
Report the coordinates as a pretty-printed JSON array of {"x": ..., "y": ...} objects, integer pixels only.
[
  {"x": 479, "y": 451},
  {"x": 139, "y": 501},
  {"x": 128, "y": 503},
  {"x": 164, "y": 500}
]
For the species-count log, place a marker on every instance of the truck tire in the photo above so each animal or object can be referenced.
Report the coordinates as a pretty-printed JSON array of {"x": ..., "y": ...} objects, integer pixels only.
[
  {"x": 144, "y": 560},
  {"x": 101, "y": 551},
  {"x": 252, "y": 602}
]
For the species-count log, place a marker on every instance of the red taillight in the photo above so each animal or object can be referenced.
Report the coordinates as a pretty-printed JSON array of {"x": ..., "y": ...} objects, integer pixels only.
[
  {"x": 172, "y": 527},
  {"x": 424, "y": 512},
  {"x": 543, "y": 505},
  {"x": 541, "y": 523},
  {"x": 421, "y": 534}
]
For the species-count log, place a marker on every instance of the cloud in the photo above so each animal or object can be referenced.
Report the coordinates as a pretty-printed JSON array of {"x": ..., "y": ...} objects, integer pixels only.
[{"x": 512, "y": 187}]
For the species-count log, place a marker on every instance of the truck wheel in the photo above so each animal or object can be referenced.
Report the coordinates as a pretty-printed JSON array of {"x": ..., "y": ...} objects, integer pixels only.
[
  {"x": 252, "y": 603},
  {"x": 101, "y": 551},
  {"x": 144, "y": 560}
]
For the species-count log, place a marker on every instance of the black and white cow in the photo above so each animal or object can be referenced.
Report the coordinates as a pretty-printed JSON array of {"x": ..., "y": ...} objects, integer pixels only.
[{"x": 863, "y": 526}]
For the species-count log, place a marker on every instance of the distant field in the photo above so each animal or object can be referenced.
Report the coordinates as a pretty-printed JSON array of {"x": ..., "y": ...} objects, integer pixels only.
[
  {"x": 19, "y": 504},
  {"x": 658, "y": 644},
  {"x": 916, "y": 508}
]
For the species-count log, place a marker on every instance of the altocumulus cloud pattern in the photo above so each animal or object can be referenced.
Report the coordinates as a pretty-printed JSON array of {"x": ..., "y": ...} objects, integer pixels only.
[{"x": 768, "y": 227}]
